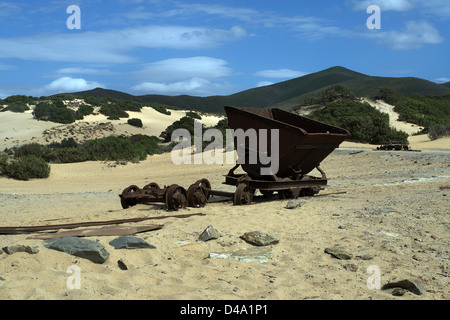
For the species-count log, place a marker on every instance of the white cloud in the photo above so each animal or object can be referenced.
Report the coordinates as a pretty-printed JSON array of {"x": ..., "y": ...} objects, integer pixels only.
[
  {"x": 388, "y": 5},
  {"x": 415, "y": 35},
  {"x": 280, "y": 73},
  {"x": 113, "y": 46},
  {"x": 65, "y": 85},
  {"x": 442, "y": 80},
  {"x": 80, "y": 70},
  {"x": 263, "y": 83},
  {"x": 184, "y": 68},
  {"x": 194, "y": 86}
]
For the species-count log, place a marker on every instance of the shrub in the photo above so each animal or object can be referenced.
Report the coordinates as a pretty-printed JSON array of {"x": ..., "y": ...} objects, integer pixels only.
[
  {"x": 135, "y": 122},
  {"x": 27, "y": 167},
  {"x": 365, "y": 123},
  {"x": 389, "y": 96},
  {"x": 184, "y": 123},
  {"x": 54, "y": 113},
  {"x": 439, "y": 131},
  {"x": 194, "y": 115},
  {"x": 113, "y": 112},
  {"x": 16, "y": 107}
]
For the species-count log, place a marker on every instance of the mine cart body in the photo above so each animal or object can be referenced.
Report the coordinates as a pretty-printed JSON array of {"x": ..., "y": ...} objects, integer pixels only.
[{"x": 303, "y": 144}]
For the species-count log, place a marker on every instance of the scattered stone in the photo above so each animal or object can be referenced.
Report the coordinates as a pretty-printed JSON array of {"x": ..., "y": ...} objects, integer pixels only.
[
  {"x": 253, "y": 254},
  {"x": 413, "y": 285},
  {"x": 351, "y": 267},
  {"x": 259, "y": 238},
  {"x": 209, "y": 234},
  {"x": 83, "y": 248},
  {"x": 2, "y": 279},
  {"x": 339, "y": 253},
  {"x": 366, "y": 257},
  {"x": 389, "y": 234},
  {"x": 130, "y": 243},
  {"x": 295, "y": 203},
  {"x": 20, "y": 248},
  {"x": 122, "y": 265}
]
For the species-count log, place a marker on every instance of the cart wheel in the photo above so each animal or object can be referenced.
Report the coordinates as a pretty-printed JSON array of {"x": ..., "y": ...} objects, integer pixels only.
[
  {"x": 196, "y": 196},
  {"x": 152, "y": 186},
  {"x": 243, "y": 195},
  {"x": 266, "y": 193},
  {"x": 175, "y": 197},
  {"x": 126, "y": 199}
]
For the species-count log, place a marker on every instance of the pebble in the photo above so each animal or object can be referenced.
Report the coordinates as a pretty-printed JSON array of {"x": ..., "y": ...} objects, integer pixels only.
[
  {"x": 339, "y": 253},
  {"x": 259, "y": 238}
]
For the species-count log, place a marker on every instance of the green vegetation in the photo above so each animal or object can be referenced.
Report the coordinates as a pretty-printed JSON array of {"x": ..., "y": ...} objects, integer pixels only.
[
  {"x": 55, "y": 112},
  {"x": 184, "y": 123},
  {"x": 16, "y": 107},
  {"x": 330, "y": 94},
  {"x": 135, "y": 122},
  {"x": 439, "y": 131},
  {"x": 24, "y": 168},
  {"x": 365, "y": 123},
  {"x": 31, "y": 161},
  {"x": 194, "y": 115}
]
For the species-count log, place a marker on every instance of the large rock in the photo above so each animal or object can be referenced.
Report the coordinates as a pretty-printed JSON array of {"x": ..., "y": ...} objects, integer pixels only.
[
  {"x": 130, "y": 243},
  {"x": 209, "y": 234},
  {"x": 83, "y": 248}
]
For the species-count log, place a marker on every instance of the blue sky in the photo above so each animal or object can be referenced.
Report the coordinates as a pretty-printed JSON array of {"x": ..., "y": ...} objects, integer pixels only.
[{"x": 212, "y": 47}]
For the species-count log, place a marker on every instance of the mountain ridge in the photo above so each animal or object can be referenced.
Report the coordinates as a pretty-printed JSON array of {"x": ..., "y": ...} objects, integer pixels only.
[{"x": 287, "y": 94}]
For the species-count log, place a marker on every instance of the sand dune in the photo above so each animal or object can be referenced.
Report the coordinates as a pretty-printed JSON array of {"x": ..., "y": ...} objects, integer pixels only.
[{"x": 19, "y": 129}]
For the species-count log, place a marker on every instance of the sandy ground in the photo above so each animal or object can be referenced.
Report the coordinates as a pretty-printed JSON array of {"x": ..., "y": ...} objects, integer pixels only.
[{"x": 392, "y": 208}]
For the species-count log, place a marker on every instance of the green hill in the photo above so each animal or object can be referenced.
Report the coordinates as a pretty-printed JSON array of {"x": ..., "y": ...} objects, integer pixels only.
[
  {"x": 447, "y": 84},
  {"x": 288, "y": 94}
]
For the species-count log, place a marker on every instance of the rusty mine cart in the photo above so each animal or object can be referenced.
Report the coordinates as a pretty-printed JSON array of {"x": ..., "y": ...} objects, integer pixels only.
[{"x": 303, "y": 144}]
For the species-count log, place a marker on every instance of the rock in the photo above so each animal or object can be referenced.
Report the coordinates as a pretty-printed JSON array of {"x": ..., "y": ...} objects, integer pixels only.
[
  {"x": 294, "y": 203},
  {"x": 259, "y": 238},
  {"x": 2, "y": 279},
  {"x": 209, "y": 234},
  {"x": 339, "y": 253},
  {"x": 122, "y": 265},
  {"x": 413, "y": 285},
  {"x": 126, "y": 242},
  {"x": 367, "y": 256},
  {"x": 83, "y": 248},
  {"x": 253, "y": 254},
  {"x": 20, "y": 248}
]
